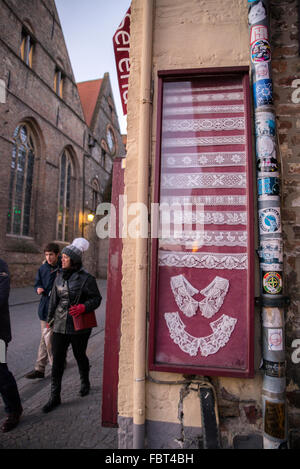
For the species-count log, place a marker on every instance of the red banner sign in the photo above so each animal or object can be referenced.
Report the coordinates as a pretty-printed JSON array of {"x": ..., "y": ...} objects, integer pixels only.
[{"x": 121, "y": 41}]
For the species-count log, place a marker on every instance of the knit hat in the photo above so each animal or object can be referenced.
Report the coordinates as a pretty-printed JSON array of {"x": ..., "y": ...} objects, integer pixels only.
[{"x": 76, "y": 249}]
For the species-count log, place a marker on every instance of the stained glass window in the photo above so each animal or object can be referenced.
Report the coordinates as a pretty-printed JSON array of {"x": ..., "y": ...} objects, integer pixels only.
[{"x": 21, "y": 178}]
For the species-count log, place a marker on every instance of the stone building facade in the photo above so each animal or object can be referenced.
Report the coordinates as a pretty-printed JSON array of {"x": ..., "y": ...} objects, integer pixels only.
[
  {"x": 56, "y": 161},
  {"x": 163, "y": 408}
]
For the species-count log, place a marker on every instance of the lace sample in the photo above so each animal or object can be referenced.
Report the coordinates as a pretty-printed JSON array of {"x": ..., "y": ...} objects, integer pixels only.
[
  {"x": 196, "y": 125},
  {"x": 230, "y": 108},
  {"x": 203, "y": 180},
  {"x": 222, "y": 330},
  {"x": 194, "y": 160},
  {"x": 203, "y": 260},
  {"x": 206, "y": 200},
  {"x": 215, "y": 293},
  {"x": 198, "y": 98},
  {"x": 207, "y": 238},
  {"x": 210, "y": 218},
  {"x": 204, "y": 141},
  {"x": 207, "y": 88},
  {"x": 183, "y": 292}
]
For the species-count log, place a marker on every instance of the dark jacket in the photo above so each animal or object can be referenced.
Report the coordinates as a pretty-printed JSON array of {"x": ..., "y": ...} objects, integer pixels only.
[
  {"x": 5, "y": 330},
  {"x": 44, "y": 279},
  {"x": 65, "y": 293}
]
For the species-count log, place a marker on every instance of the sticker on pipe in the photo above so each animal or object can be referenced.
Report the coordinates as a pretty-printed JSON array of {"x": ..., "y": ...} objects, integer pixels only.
[
  {"x": 267, "y": 165},
  {"x": 262, "y": 71},
  {"x": 257, "y": 13},
  {"x": 258, "y": 32},
  {"x": 265, "y": 147},
  {"x": 265, "y": 124},
  {"x": 269, "y": 220},
  {"x": 275, "y": 340},
  {"x": 269, "y": 186},
  {"x": 272, "y": 283},
  {"x": 260, "y": 51},
  {"x": 263, "y": 93}
]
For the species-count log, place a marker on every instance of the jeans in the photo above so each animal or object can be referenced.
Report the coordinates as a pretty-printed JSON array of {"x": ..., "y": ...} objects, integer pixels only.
[{"x": 45, "y": 349}]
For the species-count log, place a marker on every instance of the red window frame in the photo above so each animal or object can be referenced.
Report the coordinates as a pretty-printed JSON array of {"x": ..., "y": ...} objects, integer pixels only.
[{"x": 170, "y": 365}]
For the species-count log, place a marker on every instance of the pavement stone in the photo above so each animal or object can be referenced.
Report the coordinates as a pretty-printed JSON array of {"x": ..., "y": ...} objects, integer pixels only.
[{"x": 76, "y": 423}]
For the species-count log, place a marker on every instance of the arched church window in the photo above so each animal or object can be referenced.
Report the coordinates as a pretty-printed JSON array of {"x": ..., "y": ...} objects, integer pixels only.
[{"x": 21, "y": 178}]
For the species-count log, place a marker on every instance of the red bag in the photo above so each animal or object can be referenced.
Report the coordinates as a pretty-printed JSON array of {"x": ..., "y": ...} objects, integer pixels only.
[{"x": 85, "y": 321}]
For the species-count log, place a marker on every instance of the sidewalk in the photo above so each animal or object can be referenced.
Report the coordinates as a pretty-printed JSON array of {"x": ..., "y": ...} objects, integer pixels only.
[{"x": 76, "y": 423}]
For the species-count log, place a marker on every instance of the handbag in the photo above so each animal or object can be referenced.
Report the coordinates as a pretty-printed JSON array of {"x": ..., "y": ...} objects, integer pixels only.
[{"x": 85, "y": 320}]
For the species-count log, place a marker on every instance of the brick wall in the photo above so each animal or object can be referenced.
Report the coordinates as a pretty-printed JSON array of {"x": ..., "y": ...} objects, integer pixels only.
[{"x": 286, "y": 72}]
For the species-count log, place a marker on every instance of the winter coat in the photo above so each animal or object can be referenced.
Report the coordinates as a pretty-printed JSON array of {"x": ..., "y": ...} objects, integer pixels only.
[
  {"x": 5, "y": 330},
  {"x": 44, "y": 279},
  {"x": 65, "y": 293}
]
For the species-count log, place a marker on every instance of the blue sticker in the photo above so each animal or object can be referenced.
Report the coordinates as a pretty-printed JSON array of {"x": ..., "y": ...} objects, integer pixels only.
[
  {"x": 263, "y": 93},
  {"x": 269, "y": 220},
  {"x": 269, "y": 186}
]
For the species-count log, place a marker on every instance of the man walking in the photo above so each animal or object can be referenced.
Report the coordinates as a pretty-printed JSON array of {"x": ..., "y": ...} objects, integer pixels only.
[
  {"x": 8, "y": 386},
  {"x": 43, "y": 284}
]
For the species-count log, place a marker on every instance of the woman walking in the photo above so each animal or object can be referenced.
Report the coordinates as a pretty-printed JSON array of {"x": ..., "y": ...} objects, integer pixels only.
[{"x": 75, "y": 294}]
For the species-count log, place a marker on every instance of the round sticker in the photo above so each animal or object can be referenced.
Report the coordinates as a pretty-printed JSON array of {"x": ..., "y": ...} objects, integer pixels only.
[
  {"x": 272, "y": 283},
  {"x": 261, "y": 51},
  {"x": 269, "y": 220}
]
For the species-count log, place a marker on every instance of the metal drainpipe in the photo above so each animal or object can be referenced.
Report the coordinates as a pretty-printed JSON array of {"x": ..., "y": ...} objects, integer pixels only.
[
  {"x": 142, "y": 242},
  {"x": 270, "y": 250}
]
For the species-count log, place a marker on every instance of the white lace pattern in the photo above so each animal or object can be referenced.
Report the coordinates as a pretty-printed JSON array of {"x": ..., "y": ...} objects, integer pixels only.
[
  {"x": 203, "y": 260},
  {"x": 222, "y": 330}
]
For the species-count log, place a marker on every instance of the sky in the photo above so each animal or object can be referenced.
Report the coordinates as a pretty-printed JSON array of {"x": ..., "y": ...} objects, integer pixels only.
[{"x": 88, "y": 28}]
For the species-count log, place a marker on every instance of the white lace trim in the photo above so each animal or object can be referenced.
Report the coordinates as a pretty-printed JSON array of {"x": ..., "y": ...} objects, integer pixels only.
[
  {"x": 204, "y": 141},
  {"x": 204, "y": 125},
  {"x": 198, "y": 98},
  {"x": 183, "y": 292},
  {"x": 205, "y": 200},
  {"x": 203, "y": 160},
  {"x": 203, "y": 260},
  {"x": 207, "y": 88},
  {"x": 210, "y": 218},
  {"x": 222, "y": 330},
  {"x": 202, "y": 180},
  {"x": 178, "y": 111},
  {"x": 207, "y": 238}
]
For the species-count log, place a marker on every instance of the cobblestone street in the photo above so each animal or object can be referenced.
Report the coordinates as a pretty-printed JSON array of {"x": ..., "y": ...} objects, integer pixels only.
[{"x": 76, "y": 424}]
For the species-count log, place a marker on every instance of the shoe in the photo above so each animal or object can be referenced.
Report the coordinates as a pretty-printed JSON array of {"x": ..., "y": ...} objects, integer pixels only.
[
  {"x": 12, "y": 421},
  {"x": 35, "y": 374},
  {"x": 85, "y": 389},
  {"x": 51, "y": 404}
]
